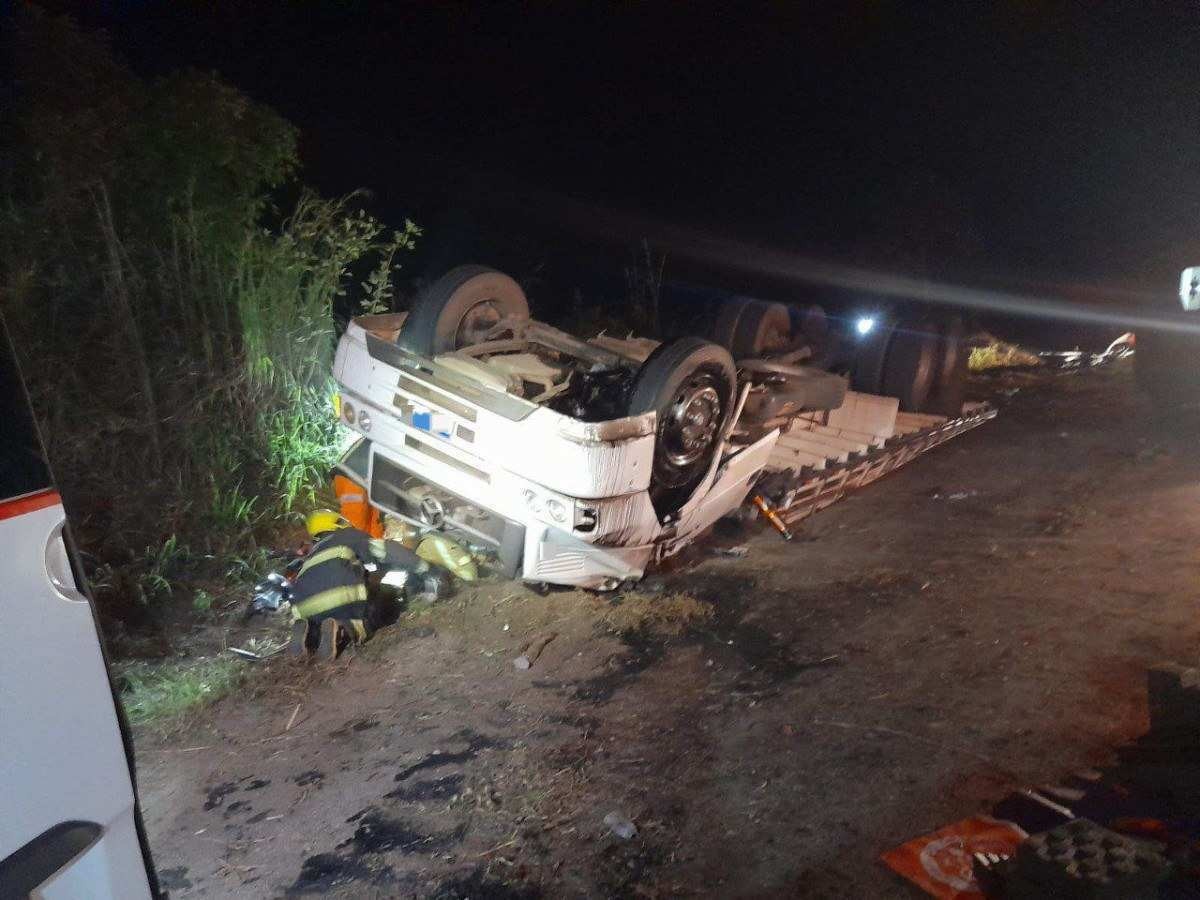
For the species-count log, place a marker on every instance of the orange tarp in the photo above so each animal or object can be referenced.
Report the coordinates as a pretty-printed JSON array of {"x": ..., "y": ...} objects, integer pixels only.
[{"x": 941, "y": 863}]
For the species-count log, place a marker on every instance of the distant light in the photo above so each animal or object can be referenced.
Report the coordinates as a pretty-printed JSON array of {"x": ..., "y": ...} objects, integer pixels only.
[{"x": 864, "y": 324}]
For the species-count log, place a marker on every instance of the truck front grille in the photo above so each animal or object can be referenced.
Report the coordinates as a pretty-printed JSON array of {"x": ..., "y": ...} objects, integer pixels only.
[{"x": 396, "y": 490}]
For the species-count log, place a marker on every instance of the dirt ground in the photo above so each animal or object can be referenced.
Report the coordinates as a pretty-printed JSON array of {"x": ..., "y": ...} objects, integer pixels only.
[{"x": 913, "y": 656}]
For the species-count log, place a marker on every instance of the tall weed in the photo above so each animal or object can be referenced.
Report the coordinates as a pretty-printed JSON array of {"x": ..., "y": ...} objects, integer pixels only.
[{"x": 176, "y": 328}]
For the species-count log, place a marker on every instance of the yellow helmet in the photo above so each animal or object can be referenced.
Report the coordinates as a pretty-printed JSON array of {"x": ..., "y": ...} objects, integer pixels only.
[{"x": 323, "y": 521}]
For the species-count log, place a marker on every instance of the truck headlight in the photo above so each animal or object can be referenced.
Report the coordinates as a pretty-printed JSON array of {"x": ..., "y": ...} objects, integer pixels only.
[
  {"x": 864, "y": 325},
  {"x": 348, "y": 412},
  {"x": 532, "y": 501},
  {"x": 364, "y": 420}
]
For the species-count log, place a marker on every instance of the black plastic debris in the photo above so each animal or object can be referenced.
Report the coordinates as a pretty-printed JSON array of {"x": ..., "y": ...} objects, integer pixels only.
[{"x": 1077, "y": 860}]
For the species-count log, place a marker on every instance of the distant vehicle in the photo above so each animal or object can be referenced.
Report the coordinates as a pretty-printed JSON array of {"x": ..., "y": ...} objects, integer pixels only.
[
  {"x": 582, "y": 462},
  {"x": 71, "y": 826}
]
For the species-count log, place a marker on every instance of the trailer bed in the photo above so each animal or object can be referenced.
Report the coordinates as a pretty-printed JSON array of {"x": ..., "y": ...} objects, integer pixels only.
[{"x": 834, "y": 454}]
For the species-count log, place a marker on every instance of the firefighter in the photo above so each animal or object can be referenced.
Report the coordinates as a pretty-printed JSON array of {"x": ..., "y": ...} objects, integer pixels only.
[{"x": 331, "y": 593}]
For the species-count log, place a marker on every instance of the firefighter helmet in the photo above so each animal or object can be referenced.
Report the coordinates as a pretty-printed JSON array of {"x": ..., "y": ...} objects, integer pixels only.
[{"x": 323, "y": 521}]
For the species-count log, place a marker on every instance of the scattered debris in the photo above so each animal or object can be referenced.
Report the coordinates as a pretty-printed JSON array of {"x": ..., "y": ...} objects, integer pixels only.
[
  {"x": 1046, "y": 802},
  {"x": 1078, "y": 859},
  {"x": 942, "y": 863},
  {"x": 531, "y": 651},
  {"x": 1069, "y": 855},
  {"x": 1079, "y": 359},
  {"x": 270, "y": 594},
  {"x": 768, "y": 513},
  {"x": 436, "y": 584},
  {"x": 444, "y": 551},
  {"x": 956, "y": 496},
  {"x": 259, "y": 649},
  {"x": 984, "y": 862},
  {"x": 620, "y": 826}
]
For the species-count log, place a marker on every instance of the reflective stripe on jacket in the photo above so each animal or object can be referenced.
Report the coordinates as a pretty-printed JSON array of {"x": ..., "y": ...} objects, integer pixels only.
[
  {"x": 330, "y": 599},
  {"x": 323, "y": 556}
]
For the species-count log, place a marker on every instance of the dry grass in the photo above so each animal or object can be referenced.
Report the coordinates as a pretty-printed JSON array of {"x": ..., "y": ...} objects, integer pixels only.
[
  {"x": 670, "y": 614},
  {"x": 1001, "y": 355}
]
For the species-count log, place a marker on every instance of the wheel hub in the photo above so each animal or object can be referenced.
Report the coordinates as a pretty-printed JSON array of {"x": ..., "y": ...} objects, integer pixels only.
[{"x": 691, "y": 423}]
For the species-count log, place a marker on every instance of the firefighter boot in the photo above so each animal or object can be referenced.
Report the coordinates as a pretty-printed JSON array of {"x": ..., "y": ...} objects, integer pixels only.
[
  {"x": 334, "y": 638},
  {"x": 298, "y": 645}
]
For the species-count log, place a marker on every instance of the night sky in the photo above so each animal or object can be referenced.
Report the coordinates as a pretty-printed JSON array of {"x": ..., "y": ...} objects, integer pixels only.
[{"x": 1018, "y": 143}]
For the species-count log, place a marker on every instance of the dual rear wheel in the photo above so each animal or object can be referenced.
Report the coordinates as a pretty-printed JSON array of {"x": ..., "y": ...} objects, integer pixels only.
[{"x": 920, "y": 360}]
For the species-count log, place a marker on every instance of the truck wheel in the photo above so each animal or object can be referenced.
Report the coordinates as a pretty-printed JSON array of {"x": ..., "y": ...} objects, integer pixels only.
[
  {"x": 950, "y": 385},
  {"x": 912, "y": 364},
  {"x": 762, "y": 329},
  {"x": 870, "y": 358},
  {"x": 810, "y": 321},
  {"x": 726, "y": 324},
  {"x": 460, "y": 308},
  {"x": 690, "y": 383}
]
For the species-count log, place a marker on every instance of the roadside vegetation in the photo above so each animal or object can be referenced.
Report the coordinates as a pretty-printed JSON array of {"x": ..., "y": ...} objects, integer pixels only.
[
  {"x": 171, "y": 286},
  {"x": 163, "y": 693}
]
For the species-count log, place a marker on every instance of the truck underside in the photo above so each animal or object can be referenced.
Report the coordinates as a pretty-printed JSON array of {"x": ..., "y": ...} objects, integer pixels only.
[{"x": 584, "y": 462}]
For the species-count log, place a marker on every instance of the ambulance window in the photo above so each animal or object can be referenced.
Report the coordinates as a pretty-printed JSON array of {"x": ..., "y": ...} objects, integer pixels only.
[{"x": 23, "y": 469}]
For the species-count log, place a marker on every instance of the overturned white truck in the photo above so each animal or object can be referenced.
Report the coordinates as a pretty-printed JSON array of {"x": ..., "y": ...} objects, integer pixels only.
[{"x": 583, "y": 462}]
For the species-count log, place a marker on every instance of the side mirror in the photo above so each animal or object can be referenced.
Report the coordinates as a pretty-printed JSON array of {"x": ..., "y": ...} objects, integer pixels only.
[{"x": 1189, "y": 288}]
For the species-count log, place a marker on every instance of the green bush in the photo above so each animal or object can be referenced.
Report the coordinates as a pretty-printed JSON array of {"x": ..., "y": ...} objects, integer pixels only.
[
  {"x": 175, "y": 323},
  {"x": 157, "y": 570}
]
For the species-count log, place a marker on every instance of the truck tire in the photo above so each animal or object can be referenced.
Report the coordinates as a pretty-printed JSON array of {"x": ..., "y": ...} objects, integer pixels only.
[
  {"x": 459, "y": 308},
  {"x": 950, "y": 385},
  {"x": 810, "y": 321},
  {"x": 870, "y": 358},
  {"x": 691, "y": 384},
  {"x": 912, "y": 364},
  {"x": 726, "y": 324},
  {"x": 763, "y": 329}
]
